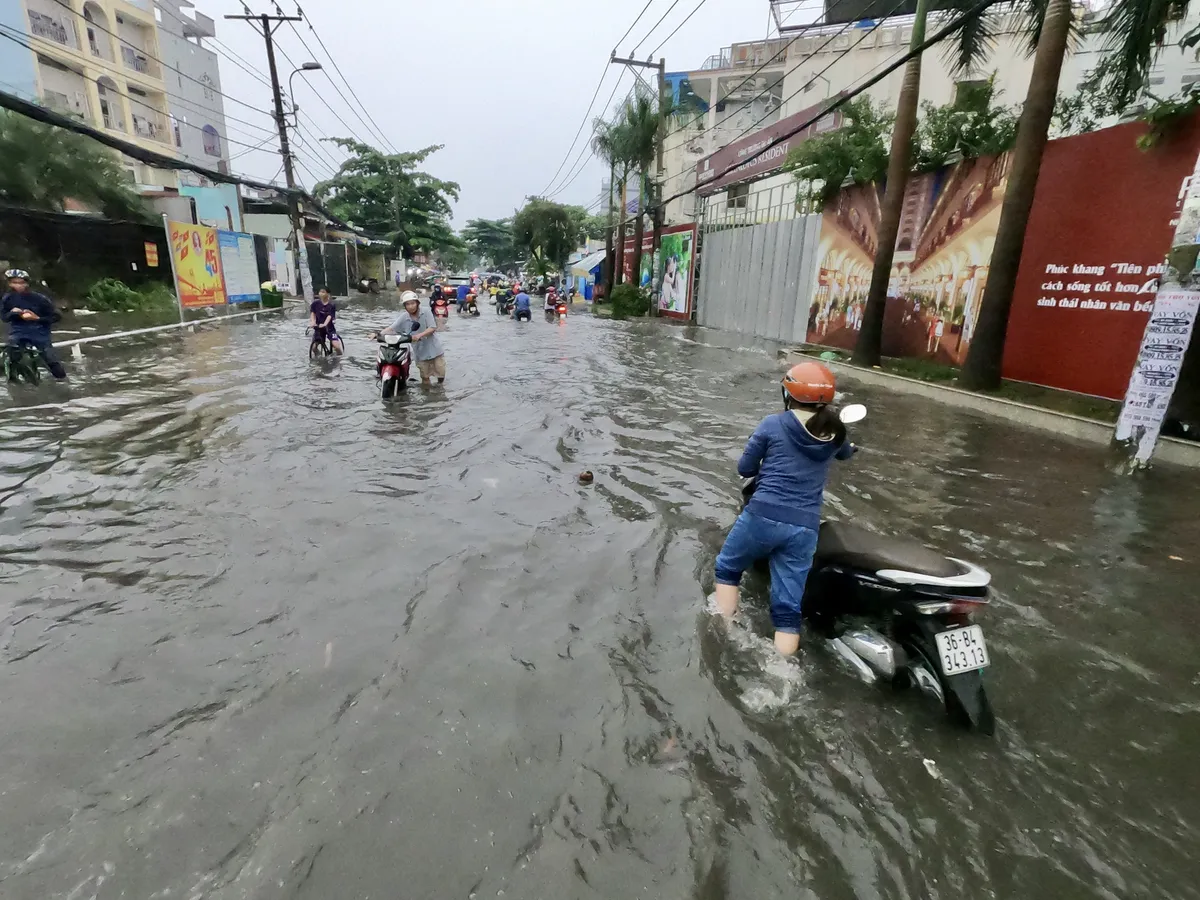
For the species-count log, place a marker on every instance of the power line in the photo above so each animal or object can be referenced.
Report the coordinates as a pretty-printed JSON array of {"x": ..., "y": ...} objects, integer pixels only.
[
  {"x": 341, "y": 74},
  {"x": 579, "y": 131},
  {"x": 617, "y": 45},
  {"x": 780, "y": 53},
  {"x": 677, "y": 27},
  {"x": 259, "y": 147},
  {"x": 181, "y": 73},
  {"x": 587, "y": 144},
  {"x": 940, "y": 35},
  {"x": 236, "y": 60},
  {"x": 4, "y": 33},
  {"x": 350, "y": 130},
  {"x": 633, "y": 52},
  {"x": 366, "y": 128}
]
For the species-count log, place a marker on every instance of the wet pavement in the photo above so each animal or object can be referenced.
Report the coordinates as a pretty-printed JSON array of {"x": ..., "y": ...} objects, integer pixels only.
[{"x": 263, "y": 636}]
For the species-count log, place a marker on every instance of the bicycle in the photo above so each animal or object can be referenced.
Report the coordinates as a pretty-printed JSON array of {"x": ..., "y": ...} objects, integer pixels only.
[
  {"x": 22, "y": 363},
  {"x": 321, "y": 344}
]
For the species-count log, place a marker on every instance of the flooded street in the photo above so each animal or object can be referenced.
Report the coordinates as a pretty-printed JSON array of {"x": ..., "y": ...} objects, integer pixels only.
[{"x": 264, "y": 636}]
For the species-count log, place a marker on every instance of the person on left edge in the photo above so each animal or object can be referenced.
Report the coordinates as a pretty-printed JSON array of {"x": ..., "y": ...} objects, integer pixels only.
[
  {"x": 29, "y": 316},
  {"x": 322, "y": 313},
  {"x": 789, "y": 455},
  {"x": 427, "y": 347}
]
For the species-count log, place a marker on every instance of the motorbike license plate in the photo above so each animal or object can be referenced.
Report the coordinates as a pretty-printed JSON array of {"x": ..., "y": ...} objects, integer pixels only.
[{"x": 962, "y": 650}]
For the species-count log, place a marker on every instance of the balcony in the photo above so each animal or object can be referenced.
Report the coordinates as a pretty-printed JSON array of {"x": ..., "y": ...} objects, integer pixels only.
[
  {"x": 138, "y": 61},
  {"x": 152, "y": 128},
  {"x": 59, "y": 29},
  {"x": 68, "y": 104}
]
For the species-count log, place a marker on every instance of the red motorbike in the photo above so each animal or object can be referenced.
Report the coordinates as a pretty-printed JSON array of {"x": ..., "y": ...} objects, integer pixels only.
[
  {"x": 393, "y": 363},
  {"x": 441, "y": 308},
  {"x": 561, "y": 309}
]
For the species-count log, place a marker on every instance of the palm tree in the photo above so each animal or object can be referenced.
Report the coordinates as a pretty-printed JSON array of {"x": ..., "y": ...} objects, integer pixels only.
[
  {"x": 610, "y": 140},
  {"x": 972, "y": 43},
  {"x": 1135, "y": 29},
  {"x": 642, "y": 120},
  {"x": 604, "y": 144}
]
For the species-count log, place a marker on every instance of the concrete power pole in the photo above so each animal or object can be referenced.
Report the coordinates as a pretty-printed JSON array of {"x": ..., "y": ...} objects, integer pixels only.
[{"x": 269, "y": 24}]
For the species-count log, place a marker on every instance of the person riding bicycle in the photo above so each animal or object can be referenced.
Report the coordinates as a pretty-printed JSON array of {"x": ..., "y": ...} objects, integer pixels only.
[
  {"x": 321, "y": 315},
  {"x": 29, "y": 316}
]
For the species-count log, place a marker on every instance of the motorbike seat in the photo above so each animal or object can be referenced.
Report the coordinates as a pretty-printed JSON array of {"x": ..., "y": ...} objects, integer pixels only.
[{"x": 849, "y": 545}]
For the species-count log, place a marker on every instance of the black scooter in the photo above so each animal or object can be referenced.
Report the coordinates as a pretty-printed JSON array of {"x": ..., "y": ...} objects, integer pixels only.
[{"x": 901, "y": 613}]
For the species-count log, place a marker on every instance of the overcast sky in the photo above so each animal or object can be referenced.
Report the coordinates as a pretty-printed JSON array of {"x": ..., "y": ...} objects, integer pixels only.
[{"x": 502, "y": 83}]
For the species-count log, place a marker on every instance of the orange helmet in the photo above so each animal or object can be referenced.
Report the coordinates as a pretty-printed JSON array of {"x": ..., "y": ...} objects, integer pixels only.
[{"x": 810, "y": 383}]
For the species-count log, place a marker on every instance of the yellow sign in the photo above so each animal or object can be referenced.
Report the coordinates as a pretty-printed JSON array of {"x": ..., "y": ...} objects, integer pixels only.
[
  {"x": 197, "y": 265},
  {"x": 151, "y": 254}
]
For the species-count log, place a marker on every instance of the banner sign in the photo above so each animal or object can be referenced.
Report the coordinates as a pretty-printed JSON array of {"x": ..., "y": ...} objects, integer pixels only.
[
  {"x": 197, "y": 265},
  {"x": 1157, "y": 370},
  {"x": 240, "y": 266},
  {"x": 753, "y": 158},
  {"x": 672, "y": 288},
  {"x": 151, "y": 254},
  {"x": 283, "y": 270}
]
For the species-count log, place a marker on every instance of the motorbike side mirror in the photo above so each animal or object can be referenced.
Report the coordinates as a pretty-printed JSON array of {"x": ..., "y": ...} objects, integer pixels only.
[{"x": 856, "y": 412}]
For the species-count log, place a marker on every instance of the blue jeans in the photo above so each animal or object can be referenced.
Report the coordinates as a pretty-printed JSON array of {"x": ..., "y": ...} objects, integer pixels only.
[{"x": 788, "y": 548}]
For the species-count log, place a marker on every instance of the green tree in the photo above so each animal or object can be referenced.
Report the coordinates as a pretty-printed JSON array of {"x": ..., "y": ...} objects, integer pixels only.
[
  {"x": 387, "y": 195},
  {"x": 609, "y": 139},
  {"x": 971, "y": 126},
  {"x": 641, "y": 119},
  {"x": 45, "y": 166},
  {"x": 492, "y": 240},
  {"x": 1134, "y": 30},
  {"x": 857, "y": 151},
  {"x": 546, "y": 231},
  {"x": 585, "y": 225}
]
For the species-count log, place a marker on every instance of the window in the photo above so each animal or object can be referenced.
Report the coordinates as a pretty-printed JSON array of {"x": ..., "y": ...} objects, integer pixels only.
[
  {"x": 737, "y": 196},
  {"x": 212, "y": 141}
]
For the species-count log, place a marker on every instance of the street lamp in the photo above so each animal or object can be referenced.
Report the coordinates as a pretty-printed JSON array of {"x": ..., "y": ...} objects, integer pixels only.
[
  {"x": 307, "y": 67},
  {"x": 808, "y": 87}
]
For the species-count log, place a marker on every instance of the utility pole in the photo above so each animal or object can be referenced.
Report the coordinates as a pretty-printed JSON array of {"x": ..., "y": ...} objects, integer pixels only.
[
  {"x": 269, "y": 24},
  {"x": 656, "y": 210}
]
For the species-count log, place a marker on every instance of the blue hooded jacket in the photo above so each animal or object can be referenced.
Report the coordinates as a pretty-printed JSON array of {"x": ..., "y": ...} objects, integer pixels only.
[{"x": 791, "y": 467}]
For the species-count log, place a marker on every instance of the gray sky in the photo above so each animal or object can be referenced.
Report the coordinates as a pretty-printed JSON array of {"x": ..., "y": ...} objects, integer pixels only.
[{"x": 502, "y": 83}]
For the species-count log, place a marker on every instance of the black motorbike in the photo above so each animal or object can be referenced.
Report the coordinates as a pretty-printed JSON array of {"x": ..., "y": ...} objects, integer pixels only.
[
  {"x": 900, "y": 613},
  {"x": 22, "y": 362}
]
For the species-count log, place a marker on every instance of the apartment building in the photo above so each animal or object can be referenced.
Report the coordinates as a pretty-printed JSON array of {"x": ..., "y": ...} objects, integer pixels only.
[
  {"x": 195, "y": 103},
  {"x": 98, "y": 60}
]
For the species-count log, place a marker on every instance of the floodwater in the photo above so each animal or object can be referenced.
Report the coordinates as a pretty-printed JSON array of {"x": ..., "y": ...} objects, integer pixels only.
[{"x": 263, "y": 636}]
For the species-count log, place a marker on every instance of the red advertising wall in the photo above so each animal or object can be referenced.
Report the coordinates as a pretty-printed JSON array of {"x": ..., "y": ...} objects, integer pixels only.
[{"x": 1100, "y": 227}]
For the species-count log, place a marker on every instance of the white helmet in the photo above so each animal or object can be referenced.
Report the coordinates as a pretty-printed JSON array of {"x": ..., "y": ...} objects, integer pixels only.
[{"x": 409, "y": 296}]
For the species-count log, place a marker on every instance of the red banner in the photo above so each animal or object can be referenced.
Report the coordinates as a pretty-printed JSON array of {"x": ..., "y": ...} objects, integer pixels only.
[{"x": 1098, "y": 233}]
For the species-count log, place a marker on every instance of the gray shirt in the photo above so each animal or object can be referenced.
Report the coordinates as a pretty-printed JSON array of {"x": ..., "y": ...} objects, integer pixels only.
[{"x": 427, "y": 348}]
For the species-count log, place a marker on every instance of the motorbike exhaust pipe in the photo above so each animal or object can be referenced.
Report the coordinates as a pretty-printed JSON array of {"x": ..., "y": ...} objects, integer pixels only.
[{"x": 883, "y": 656}]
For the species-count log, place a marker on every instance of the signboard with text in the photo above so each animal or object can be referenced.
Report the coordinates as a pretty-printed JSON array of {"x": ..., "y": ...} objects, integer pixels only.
[
  {"x": 753, "y": 157},
  {"x": 197, "y": 262},
  {"x": 239, "y": 264}
]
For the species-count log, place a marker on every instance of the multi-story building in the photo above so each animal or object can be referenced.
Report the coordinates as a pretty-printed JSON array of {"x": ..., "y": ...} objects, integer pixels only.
[
  {"x": 195, "y": 102},
  {"x": 98, "y": 60}
]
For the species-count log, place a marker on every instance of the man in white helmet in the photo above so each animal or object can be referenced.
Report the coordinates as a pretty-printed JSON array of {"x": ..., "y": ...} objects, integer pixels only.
[{"x": 427, "y": 347}]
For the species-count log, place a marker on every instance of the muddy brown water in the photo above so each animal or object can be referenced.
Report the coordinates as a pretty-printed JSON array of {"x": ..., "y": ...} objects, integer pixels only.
[{"x": 262, "y": 636}]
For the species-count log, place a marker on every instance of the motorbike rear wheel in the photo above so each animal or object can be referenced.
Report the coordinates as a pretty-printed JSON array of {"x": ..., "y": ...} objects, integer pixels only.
[{"x": 963, "y": 696}]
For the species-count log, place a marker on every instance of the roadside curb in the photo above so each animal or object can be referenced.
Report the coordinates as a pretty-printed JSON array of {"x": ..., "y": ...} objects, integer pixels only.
[{"x": 1170, "y": 450}]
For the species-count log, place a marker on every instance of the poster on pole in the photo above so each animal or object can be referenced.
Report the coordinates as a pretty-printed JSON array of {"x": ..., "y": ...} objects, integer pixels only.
[
  {"x": 240, "y": 266},
  {"x": 1157, "y": 370},
  {"x": 283, "y": 269},
  {"x": 197, "y": 265}
]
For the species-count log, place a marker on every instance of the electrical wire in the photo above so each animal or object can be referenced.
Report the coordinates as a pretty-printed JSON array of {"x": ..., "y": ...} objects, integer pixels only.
[
  {"x": 345, "y": 80},
  {"x": 350, "y": 130},
  {"x": 652, "y": 28},
  {"x": 630, "y": 28},
  {"x": 579, "y": 131},
  {"x": 233, "y": 57},
  {"x": 587, "y": 144},
  {"x": 677, "y": 27},
  {"x": 780, "y": 53},
  {"x": 938, "y": 36},
  {"x": 4, "y": 33},
  {"x": 179, "y": 72}
]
